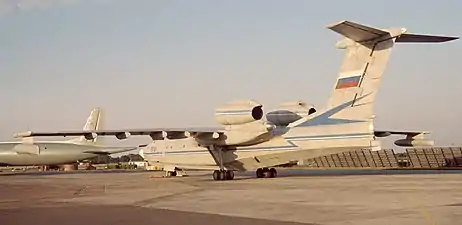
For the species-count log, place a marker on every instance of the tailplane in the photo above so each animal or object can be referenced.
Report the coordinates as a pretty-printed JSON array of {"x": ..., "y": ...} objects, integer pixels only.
[
  {"x": 93, "y": 123},
  {"x": 367, "y": 52}
]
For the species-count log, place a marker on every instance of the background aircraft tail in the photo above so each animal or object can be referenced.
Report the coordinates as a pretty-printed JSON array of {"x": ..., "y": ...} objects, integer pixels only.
[{"x": 93, "y": 122}]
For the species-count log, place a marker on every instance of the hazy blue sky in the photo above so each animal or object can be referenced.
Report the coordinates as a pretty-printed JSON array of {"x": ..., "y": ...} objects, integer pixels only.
[{"x": 170, "y": 63}]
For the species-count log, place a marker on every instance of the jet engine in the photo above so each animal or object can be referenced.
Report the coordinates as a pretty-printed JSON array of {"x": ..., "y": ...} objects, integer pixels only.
[
  {"x": 290, "y": 112},
  {"x": 239, "y": 112}
]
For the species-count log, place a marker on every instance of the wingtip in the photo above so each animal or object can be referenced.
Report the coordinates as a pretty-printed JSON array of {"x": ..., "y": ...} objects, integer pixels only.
[
  {"x": 330, "y": 26},
  {"x": 448, "y": 38}
]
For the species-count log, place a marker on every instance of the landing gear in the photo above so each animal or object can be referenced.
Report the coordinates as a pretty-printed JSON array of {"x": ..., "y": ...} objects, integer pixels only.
[
  {"x": 175, "y": 173},
  {"x": 266, "y": 173},
  {"x": 223, "y": 175}
]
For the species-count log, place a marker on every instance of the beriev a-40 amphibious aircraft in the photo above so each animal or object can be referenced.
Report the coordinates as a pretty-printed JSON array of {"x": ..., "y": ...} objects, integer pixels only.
[
  {"x": 247, "y": 141},
  {"x": 29, "y": 152}
]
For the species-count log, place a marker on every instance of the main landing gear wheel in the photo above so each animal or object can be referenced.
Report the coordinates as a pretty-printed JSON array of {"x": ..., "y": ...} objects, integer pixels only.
[
  {"x": 229, "y": 175},
  {"x": 273, "y": 173},
  {"x": 266, "y": 172},
  {"x": 223, "y": 175}
]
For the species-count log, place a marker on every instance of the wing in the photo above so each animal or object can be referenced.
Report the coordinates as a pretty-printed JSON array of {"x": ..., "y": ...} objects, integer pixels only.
[
  {"x": 409, "y": 134},
  {"x": 155, "y": 134},
  {"x": 110, "y": 150}
]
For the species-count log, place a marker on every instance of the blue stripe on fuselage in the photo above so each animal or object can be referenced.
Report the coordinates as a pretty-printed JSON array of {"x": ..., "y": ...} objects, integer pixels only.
[
  {"x": 324, "y": 118},
  {"x": 289, "y": 146},
  {"x": 233, "y": 112}
]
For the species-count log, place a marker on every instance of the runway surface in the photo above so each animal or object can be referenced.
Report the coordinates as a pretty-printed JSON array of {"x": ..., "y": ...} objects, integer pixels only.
[{"x": 296, "y": 197}]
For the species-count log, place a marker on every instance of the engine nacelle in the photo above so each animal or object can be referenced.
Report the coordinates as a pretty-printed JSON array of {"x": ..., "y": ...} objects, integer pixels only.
[
  {"x": 289, "y": 113},
  {"x": 414, "y": 142},
  {"x": 239, "y": 112}
]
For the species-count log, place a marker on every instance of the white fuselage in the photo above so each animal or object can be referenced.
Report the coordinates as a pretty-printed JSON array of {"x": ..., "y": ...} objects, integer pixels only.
[
  {"x": 288, "y": 145},
  {"x": 43, "y": 153}
]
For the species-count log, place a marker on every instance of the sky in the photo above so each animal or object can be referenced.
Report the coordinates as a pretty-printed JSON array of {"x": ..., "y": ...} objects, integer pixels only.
[{"x": 170, "y": 63}]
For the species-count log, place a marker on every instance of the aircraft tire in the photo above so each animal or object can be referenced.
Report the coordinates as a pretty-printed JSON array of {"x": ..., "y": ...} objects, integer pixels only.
[
  {"x": 222, "y": 175},
  {"x": 260, "y": 173},
  {"x": 229, "y": 175},
  {"x": 266, "y": 172},
  {"x": 216, "y": 175},
  {"x": 273, "y": 173}
]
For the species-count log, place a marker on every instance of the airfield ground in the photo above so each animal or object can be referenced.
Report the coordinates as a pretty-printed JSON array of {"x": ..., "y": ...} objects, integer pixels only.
[{"x": 309, "y": 197}]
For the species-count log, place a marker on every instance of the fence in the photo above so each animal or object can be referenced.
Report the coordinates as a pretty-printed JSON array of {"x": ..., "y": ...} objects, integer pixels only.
[{"x": 411, "y": 158}]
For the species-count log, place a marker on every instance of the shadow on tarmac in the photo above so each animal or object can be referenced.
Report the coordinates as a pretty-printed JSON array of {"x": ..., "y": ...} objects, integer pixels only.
[
  {"x": 281, "y": 172},
  {"x": 43, "y": 173},
  {"x": 356, "y": 172}
]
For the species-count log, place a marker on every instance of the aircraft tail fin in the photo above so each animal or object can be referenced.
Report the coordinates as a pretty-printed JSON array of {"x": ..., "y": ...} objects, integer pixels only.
[
  {"x": 93, "y": 122},
  {"x": 367, "y": 52},
  {"x": 350, "y": 106}
]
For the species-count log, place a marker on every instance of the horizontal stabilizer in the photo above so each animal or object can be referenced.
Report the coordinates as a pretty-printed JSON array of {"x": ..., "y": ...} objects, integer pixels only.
[
  {"x": 357, "y": 32},
  {"x": 418, "y": 38},
  {"x": 362, "y": 33}
]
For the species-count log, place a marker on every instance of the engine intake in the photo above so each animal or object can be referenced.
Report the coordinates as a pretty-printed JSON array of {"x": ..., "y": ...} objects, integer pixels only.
[
  {"x": 289, "y": 113},
  {"x": 239, "y": 112}
]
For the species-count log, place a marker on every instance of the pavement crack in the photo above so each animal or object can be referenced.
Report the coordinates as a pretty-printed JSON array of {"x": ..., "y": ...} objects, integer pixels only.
[{"x": 81, "y": 190}]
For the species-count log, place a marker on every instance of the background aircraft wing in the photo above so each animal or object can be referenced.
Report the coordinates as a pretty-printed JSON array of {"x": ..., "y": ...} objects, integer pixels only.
[
  {"x": 385, "y": 133},
  {"x": 125, "y": 133},
  {"x": 110, "y": 150}
]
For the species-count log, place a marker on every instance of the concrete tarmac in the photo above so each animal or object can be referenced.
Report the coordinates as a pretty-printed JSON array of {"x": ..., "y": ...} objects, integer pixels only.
[{"x": 331, "y": 197}]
